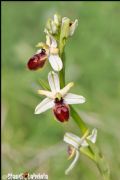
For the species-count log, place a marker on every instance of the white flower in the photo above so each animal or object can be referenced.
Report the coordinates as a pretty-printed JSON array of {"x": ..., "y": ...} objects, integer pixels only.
[
  {"x": 76, "y": 143},
  {"x": 57, "y": 94},
  {"x": 52, "y": 52}
]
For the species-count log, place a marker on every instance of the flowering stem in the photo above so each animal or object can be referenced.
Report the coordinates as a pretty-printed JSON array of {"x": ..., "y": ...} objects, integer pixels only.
[
  {"x": 78, "y": 120},
  {"x": 76, "y": 117},
  {"x": 100, "y": 161},
  {"x": 62, "y": 72}
]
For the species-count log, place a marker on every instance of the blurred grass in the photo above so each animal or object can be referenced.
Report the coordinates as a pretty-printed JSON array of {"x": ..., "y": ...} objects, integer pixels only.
[{"x": 93, "y": 59}]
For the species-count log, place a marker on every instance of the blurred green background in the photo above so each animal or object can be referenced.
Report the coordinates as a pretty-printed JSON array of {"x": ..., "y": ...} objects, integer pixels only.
[{"x": 34, "y": 143}]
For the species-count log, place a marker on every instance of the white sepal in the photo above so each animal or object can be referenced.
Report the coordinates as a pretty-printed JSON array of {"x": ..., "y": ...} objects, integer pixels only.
[
  {"x": 44, "y": 105},
  {"x": 55, "y": 62},
  {"x": 74, "y": 99},
  {"x": 54, "y": 83}
]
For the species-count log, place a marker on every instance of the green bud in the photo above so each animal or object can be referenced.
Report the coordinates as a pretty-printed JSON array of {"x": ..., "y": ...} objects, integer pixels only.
[{"x": 65, "y": 28}]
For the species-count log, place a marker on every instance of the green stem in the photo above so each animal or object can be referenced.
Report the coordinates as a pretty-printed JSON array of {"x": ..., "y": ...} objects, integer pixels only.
[
  {"x": 62, "y": 72},
  {"x": 101, "y": 163},
  {"x": 78, "y": 120},
  {"x": 76, "y": 117}
]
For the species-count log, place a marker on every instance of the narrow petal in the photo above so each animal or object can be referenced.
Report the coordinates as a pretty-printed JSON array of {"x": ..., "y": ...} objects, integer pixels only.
[
  {"x": 73, "y": 27},
  {"x": 55, "y": 62},
  {"x": 54, "y": 83},
  {"x": 66, "y": 88},
  {"x": 93, "y": 136},
  {"x": 44, "y": 105},
  {"x": 46, "y": 93},
  {"x": 72, "y": 139},
  {"x": 73, "y": 163},
  {"x": 73, "y": 99}
]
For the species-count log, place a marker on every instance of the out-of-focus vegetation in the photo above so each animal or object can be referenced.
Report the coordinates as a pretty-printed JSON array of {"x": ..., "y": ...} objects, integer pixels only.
[{"x": 33, "y": 143}]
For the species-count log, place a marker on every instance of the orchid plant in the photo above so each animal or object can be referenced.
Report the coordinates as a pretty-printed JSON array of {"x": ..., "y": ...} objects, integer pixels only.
[{"x": 59, "y": 99}]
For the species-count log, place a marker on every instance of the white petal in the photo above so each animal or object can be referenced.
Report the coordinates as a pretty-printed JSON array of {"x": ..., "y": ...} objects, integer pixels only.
[
  {"x": 66, "y": 88},
  {"x": 54, "y": 83},
  {"x": 73, "y": 27},
  {"x": 55, "y": 62},
  {"x": 72, "y": 139},
  {"x": 44, "y": 105},
  {"x": 93, "y": 136},
  {"x": 74, "y": 99},
  {"x": 73, "y": 163},
  {"x": 46, "y": 93}
]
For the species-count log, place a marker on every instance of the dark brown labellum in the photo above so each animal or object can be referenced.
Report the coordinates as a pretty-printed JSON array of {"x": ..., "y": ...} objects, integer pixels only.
[
  {"x": 61, "y": 111},
  {"x": 37, "y": 61}
]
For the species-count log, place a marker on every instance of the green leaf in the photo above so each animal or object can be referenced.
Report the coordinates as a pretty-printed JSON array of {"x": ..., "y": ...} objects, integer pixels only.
[{"x": 44, "y": 84}]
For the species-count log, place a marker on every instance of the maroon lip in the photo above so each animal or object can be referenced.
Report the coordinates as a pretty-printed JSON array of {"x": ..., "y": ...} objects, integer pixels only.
[
  {"x": 61, "y": 111},
  {"x": 37, "y": 61}
]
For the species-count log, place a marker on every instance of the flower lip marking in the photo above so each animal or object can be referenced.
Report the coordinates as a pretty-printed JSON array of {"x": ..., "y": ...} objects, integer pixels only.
[
  {"x": 43, "y": 51},
  {"x": 58, "y": 101},
  {"x": 61, "y": 110},
  {"x": 38, "y": 60}
]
